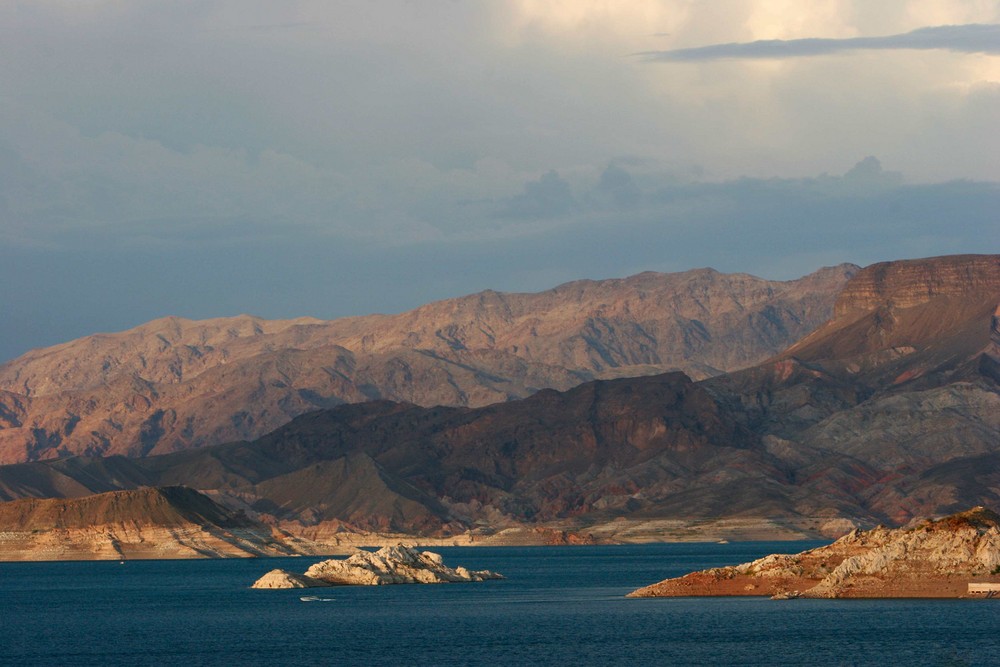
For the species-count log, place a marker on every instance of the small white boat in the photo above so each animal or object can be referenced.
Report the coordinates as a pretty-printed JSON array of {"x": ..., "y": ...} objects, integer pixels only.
[{"x": 786, "y": 595}]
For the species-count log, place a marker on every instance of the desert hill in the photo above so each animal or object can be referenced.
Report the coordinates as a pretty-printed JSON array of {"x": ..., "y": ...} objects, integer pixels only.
[
  {"x": 174, "y": 384},
  {"x": 605, "y": 447},
  {"x": 903, "y": 380},
  {"x": 170, "y": 522}
]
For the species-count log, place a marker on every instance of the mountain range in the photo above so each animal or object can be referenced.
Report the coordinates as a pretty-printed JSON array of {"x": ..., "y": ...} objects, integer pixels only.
[
  {"x": 174, "y": 384},
  {"x": 888, "y": 410}
]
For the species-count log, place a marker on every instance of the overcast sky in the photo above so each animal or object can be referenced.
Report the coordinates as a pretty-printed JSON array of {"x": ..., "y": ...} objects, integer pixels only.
[{"x": 207, "y": 158}]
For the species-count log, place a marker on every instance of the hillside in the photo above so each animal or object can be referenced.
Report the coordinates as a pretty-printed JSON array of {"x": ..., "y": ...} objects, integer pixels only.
[
  {"x": 175, "y": 384},
  {"x": 902, "y": 383},
  {"x": 599, "y": 448},
  {"x": 171, "y": 522}
]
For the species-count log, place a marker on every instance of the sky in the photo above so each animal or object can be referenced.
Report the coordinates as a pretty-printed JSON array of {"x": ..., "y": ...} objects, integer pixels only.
[{"x": 205, "y": 158}]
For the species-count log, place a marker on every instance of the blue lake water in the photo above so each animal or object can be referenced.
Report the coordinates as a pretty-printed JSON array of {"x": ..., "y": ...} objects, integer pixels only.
[{"x": 558, "y": 606}]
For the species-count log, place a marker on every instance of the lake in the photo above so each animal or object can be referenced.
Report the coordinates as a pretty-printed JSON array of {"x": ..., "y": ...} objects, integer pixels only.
[{"x": 558, "y": 606}]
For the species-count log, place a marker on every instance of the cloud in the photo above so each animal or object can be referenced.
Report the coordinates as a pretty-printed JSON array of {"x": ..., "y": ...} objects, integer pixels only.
[
  {"x": 548, "y": 197},
  {"x": 616, "y": 187},
  {"x": 207, "y": 157},
  {"x": 869, "y": 174},
  {"x": 971, "y": 38}
]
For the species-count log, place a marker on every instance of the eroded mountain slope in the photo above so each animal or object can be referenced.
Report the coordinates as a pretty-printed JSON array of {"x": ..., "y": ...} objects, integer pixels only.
[{"x": 174, "y": 384}]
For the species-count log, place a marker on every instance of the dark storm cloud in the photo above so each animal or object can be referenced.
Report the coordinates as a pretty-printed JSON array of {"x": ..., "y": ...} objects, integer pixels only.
[{"x": 972, "y": 38}]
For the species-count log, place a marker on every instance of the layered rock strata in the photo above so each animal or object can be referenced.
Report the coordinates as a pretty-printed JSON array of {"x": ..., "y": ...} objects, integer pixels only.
[
  {"x": 389, "y": 565},
  {"x": 908, "y": 283},
  {"x": 171, "y": 522},
  {"x": 934, "y": 558}
]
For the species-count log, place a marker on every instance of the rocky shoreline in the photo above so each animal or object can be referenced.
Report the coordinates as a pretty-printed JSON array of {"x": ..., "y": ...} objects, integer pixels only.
[
  {"x": 182, "y": 523},
  {"x": 928, "y": 559},
  {"x": 171, "y": 522}
]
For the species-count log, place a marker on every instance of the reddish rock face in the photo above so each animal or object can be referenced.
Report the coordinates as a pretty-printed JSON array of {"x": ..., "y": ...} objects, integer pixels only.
[{"x": 907, "y": 283}]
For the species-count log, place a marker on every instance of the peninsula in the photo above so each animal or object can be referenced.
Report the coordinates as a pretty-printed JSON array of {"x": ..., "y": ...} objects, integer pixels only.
[{"x": 956, "y": 556}]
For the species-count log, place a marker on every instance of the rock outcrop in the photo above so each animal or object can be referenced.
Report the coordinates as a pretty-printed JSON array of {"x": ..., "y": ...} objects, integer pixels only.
[
  {"x": 908, "y": 283},
  {"x": 284, "y": 579},
  {"x": 934, "y": 558},
  {"x": 174, "y": 384},
  {"x": 389, "y": 565}
]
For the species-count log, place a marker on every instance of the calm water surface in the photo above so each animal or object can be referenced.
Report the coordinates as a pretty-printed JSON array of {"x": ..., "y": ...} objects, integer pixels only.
[{"x": 558, "y": 606}]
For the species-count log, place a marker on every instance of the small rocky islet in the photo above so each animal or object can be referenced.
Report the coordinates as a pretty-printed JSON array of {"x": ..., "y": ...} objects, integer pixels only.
[
  {"x": 955, "y": 556},
  {"x": 389, "y": 565}
]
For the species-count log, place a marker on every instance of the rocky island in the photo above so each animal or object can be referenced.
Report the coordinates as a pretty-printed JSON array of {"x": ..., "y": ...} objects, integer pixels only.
[
  {"x": 957, "y": 556},
  {"x": 389, "y": 565}
]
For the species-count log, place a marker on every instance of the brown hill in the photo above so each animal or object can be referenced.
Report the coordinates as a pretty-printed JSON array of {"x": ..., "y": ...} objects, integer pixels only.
[
  {"x": 936, "y": 558},
  {"x": 601, "y": 450},
  {"x": 171, "y": 522},
  {"x": 902, "y": 380},
  {"x": 174, "y": 384}
]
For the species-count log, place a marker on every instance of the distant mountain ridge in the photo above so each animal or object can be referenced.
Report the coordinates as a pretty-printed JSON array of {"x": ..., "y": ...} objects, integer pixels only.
[{"x": 174, "y": 384}]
